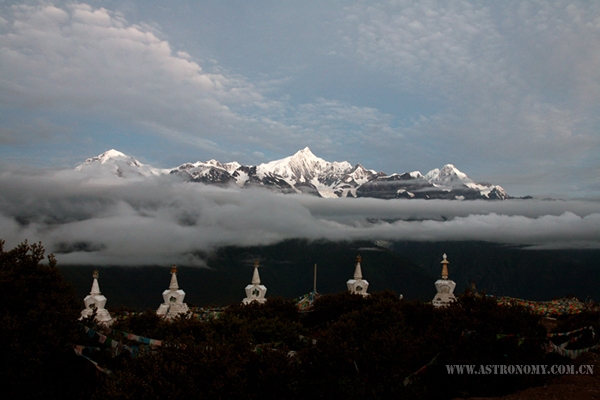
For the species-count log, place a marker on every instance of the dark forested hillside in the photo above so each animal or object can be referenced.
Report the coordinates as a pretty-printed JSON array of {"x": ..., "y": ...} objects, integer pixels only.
[
  {"x": 511, "y": 270},
  {"x": 287, "y": 270},
  {"x": 408, "y": 268}
]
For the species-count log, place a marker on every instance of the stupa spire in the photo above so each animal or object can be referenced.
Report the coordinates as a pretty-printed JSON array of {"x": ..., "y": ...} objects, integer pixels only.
[
  {"x": 174, "y": 284},
  {"x": 358, "y": 270},
  {"x": 445, "y": 263},
  {"x": 95, "y": 285},
  {"x": 255, "y": 275}
]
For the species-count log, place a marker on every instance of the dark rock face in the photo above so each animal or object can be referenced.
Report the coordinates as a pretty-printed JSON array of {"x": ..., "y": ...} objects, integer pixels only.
[
  {"x": 396, "y": 186},
  {"x": 211, "y": 175}
]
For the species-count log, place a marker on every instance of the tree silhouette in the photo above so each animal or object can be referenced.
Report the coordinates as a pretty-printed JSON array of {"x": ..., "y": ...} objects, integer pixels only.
[{"x": 38, "y": 320}]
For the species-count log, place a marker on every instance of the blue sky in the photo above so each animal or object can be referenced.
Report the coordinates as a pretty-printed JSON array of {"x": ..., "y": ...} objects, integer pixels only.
[{"x": 507, "y": 91}]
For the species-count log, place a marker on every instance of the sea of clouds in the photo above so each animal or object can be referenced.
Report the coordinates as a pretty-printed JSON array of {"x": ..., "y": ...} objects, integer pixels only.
[{"x": 99, "y": 219}]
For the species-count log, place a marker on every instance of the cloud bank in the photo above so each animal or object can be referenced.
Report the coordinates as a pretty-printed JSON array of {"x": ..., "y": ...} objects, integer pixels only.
[{"x": 104, "y": 220}]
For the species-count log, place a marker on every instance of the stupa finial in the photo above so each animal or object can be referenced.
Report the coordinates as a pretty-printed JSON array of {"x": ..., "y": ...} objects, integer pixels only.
[{"x": 445, "y": 263}]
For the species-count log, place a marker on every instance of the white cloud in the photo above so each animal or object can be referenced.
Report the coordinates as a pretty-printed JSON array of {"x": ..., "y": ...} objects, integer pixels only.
[
  {"x": 163, "y": 221},
  {"x": 84, "y": 61}
]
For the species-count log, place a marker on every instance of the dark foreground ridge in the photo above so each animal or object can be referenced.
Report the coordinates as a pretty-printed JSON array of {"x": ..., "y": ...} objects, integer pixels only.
[{"x": 347, "y": 346}]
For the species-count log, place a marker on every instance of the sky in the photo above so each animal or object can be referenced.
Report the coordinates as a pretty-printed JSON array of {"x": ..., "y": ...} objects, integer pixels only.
[{"x": 506, "y": 91}]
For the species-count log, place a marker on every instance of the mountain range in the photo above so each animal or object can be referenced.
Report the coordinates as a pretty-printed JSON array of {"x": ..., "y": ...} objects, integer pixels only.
[{"x": 304, "y": 172}]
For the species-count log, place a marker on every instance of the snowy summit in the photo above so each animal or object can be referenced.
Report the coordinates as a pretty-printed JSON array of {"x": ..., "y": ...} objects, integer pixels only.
[{"x": 304, "y": 172}]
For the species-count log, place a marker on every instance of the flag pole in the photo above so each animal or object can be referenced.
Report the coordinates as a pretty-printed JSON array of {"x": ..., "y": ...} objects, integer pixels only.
[{"x": 315, "y": 281}]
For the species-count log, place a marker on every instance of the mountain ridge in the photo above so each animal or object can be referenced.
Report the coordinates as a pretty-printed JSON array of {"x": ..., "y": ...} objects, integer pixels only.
[{"x": 304, "y": 172}]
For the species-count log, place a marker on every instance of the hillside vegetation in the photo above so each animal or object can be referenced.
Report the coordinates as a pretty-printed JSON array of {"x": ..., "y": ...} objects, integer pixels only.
[{"x": 348, "y": 346}]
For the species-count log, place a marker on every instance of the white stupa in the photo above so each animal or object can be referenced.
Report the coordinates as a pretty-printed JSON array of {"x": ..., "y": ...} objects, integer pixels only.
[
  {"x": 445, "y": 287},
  {"x": 95, "y": 301},
  {"x": 358, "y": 285},
  {"x": 255, "y": 291},
  {"x": 173, "y": 299}
]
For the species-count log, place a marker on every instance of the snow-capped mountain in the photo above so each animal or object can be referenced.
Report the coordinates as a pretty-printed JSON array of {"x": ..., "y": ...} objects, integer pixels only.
[
  {"x": 447, "y": 176},
  {"x": 119, "y": 164},
  {"x": 211, "y": 171},
  {"x": 304, "y": 172}
]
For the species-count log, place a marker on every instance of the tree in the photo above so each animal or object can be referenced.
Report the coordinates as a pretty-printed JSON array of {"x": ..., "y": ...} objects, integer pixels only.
[{"x": 38, "y": 323}]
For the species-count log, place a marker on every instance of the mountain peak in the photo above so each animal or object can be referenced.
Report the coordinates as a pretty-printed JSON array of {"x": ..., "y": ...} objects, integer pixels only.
[
  {"x": 302, "y": 166},
  {"x": 119, "y": 163},
  {"x": 448, "y": 174},
  {"x": 112, "y": 153},
  {"x": 451, "y": 170},
  {"x": 306, "y": 154},
  {"x": 305, "y": 150},
  {"x": 108, "y": 156}
]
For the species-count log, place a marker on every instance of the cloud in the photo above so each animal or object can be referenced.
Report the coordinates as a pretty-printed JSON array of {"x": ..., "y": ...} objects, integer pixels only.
[
  {"x": 113, "y": 221},
  {"x": 471, "y": 47},
  {"x": 78, "y": 60},
  {"x": 325, "y": 124},
  {"x": 428, "y": 45},
  {"x": 518, "y": 82},
  {"x": 87, "y": 63}
]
